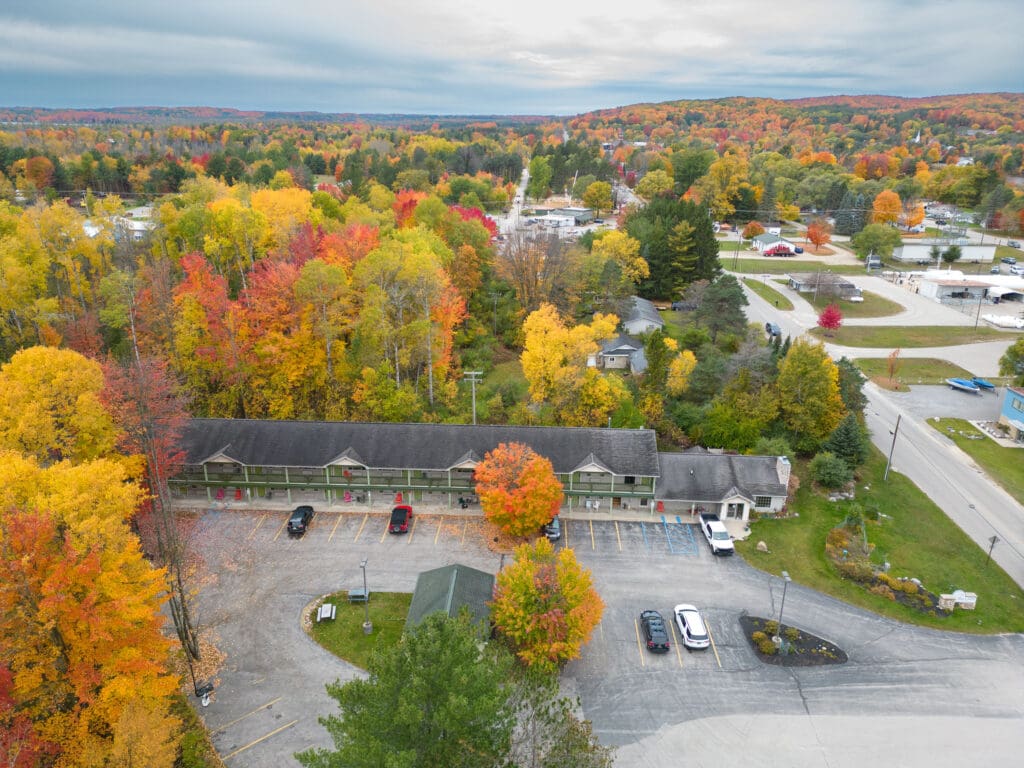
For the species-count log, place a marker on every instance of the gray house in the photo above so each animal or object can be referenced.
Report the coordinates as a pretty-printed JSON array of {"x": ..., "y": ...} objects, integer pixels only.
[
  {"x": 450, "y": 589},
  {"x": 621, "y": 353},
  {"x": 728, "y": 485},
  {"x": 642, "y": 317}
]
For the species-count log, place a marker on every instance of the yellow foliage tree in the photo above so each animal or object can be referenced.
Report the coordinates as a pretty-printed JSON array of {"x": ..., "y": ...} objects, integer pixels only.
[
  {"x": 546, "y": 604},
  {"x": 679, "y": 370},
  {"x": 50, "y": 407},
  {"x": 624, "y": 250}
]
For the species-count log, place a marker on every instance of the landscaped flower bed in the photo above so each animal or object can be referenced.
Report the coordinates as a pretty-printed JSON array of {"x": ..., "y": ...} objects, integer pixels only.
[{"x": 798, "y": 649}]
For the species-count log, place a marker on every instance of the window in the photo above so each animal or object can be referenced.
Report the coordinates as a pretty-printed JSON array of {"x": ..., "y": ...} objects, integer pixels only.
[
  {"x": 1017, "y": 404},
  {"x": 762, "y": 502},
  {"x": 629, "y": 480}
]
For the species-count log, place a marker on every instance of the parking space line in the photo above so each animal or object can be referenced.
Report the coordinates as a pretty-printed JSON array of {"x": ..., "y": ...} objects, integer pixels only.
[
  {"x": 334, "y": 528},
  {"x": 465, "y": 527},
  {"x": 359, "y": 533},
  {"x": 412, "y": 531},
  {"x": 675, "y": 633},
  {"x": 668, "y": 536},
  {"x": 592, "y": 544},
  {"x": 639, "y": 645},
  {"x": 284, "y": 523},
  {"x": 643, "y": 530},
  {"x": 253, "y": 531},
  {"x": 440, "y": 525},
  {"x": 713, "y": 646},
  {"x": 565, "y": 535},
  {"x": 384, "y": 533},
  {"x": 618, "y": 538},
  {"x": 261, "y": 738},
  {"x": 260, "y": 708}
]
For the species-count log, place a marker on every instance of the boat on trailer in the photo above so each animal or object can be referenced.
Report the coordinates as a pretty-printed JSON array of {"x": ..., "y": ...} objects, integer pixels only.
[
  {"x": 983, "y": 383},
  {"x": 964, "y": 385}
]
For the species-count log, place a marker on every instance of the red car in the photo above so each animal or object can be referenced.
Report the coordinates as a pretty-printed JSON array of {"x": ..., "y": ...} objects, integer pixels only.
[{"x": 401, "y": 516}]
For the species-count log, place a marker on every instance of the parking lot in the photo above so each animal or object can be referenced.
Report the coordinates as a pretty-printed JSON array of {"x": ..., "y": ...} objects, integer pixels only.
[{"x": 271, "y": 689}]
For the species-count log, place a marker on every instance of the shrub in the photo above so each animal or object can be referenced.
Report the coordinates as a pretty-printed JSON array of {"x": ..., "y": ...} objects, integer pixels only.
[
  {"x": 909, "y": 587},
  {"x": 830, "y": 471},
  {"x": 856, "y": 570},
  {"x": 771, "y": 628},
  {"x": 767, "y": 647},
  {"x": 792, "y": 634},
  {"x": 883, "y": 590},
  {"x": 758, "y": 637}
]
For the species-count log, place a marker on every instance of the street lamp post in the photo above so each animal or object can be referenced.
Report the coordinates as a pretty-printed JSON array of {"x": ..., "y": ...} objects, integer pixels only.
[
  {"x": 367, "y": 624},
  {"x": 782, "y": 607}
]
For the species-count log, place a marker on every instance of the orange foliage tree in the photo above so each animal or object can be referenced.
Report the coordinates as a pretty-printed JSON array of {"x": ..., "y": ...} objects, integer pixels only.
[
  {"x": 819, "y": 232},
  {"x": 518, "y": 489},
  {"x": 546, "y": 604},
  {"x": 887, "y": 207},
  {"x": 753, "y": 229}
]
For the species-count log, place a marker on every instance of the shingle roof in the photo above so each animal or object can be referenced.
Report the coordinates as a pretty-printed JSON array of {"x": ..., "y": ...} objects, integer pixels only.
[
  {"x": 713, "y": 477},
  {"x": 411, "y": 446},
  {"x": 642, "y": 309},
  {"x": 447, "y": 590},
  {"x": 620, "y": 345}
]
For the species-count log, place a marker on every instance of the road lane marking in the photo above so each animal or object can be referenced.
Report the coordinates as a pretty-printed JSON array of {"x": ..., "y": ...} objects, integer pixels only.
[
  {"x": 359, "y": 533},
  {"x": 675, "y": 633},
  {"x": 713, "y": 646},
  {"x": 617, "y": 537},
  {"x": 261, "y": 738},
  {"x": 440, "y": 525},
  {"x": 253, "y": 531},
  {"x": 284, "y": 524},
  {"x": 334, "y": 528},
  {"x": 592, "y": 544},
  {"x": 260, "y": 708},
  {"x": 639, "y": 645}
]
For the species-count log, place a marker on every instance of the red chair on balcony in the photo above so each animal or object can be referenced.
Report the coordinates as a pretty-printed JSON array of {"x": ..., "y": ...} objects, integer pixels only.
[
  {"x": 238, "y": 494},
  {"x": 220, "y": 494}
]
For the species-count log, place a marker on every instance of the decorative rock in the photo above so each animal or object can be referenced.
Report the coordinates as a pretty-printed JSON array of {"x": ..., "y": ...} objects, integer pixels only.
[{"x": 762, "y": 547}]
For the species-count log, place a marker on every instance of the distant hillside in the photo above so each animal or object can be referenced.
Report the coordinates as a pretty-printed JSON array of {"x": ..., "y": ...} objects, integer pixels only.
[{"x": 203, "y": 115}]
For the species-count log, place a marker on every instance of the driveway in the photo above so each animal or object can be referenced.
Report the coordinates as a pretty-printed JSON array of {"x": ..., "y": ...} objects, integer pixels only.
[{"x": 713, "y": 707}]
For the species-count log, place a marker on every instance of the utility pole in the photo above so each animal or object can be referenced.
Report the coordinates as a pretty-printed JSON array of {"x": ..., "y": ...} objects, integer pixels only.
[
  {"x": 893, "y": 446},
  {"x": 992, "y": 545},
  {"x": 472, "y": 377}
]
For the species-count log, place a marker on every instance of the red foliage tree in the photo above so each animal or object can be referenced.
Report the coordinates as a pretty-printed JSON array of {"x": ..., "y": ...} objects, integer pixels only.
[{"x": 831, "y": 318}]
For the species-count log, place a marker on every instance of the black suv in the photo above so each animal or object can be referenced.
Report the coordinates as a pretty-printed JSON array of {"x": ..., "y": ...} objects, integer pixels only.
[
  {"x": 655, "y": 631},
  {"x": 300, "y": 520}
]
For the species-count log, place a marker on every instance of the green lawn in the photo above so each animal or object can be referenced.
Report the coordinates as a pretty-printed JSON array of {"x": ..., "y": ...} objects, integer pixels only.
[
  {"x": 781, "y": 266},
  {"x": 910, "y": 335},
  {"x": 872, "y": 306},
  {"x": 1004, "y": 465},
  {"x": 344, "y": 636},
  {"x": 768, "y": 293},
  {"x": 918, "y": 540},
  {"x": 912, "y": 370}
]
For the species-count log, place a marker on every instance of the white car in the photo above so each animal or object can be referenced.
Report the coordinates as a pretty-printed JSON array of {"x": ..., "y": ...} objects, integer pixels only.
[
  {"x": 1017, "y": 269},
  {"x": 691, "y": 627}
]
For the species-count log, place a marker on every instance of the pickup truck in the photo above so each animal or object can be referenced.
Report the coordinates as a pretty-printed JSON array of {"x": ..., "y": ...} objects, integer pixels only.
[{"x": 714, "y": 531}]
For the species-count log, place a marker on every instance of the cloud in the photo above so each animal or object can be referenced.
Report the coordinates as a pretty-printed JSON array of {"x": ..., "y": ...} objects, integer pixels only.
[{"x": 458, "y": 56}]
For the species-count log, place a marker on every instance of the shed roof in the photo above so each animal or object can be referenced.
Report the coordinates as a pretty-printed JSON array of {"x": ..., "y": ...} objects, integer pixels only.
[
  {"x": 258, "y": 443},
  {"x": 714, "y": 477},
  {"x": 447, "y": 590}
]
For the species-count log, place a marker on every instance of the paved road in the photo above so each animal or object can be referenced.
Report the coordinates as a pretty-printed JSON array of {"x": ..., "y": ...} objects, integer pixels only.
[
  {"x": 712, "y": 708},
  {"x": 961, "y": 489}
]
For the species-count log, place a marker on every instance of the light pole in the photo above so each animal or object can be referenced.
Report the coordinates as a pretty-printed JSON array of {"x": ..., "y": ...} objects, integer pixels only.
[
  {"x": 892, "y": 448},
  {"x": 782, "y": 607},
  {"x": 367, "y": 624},
  {"x": 977, "y": 315},
  {"x": 991, "y": 545}
]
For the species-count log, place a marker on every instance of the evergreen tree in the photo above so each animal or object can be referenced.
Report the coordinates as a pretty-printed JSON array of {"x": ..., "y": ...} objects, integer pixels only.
[
  {"x": 722, "y": 307},
  {"x": 844, "y": 215},
  {"x": 851, "y": 386},
  {"x": 766, "y": 211},
  {"x": 848, "y": 441}
]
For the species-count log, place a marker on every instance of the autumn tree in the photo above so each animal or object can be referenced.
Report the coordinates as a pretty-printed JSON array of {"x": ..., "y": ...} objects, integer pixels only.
[
  {"x": 819, "y": 232},
  {"x": 50, "y": 406},
  {"x": 893, "y": 364},
  {"x": 887, "y": 208},
  {"x": 518, "y": 489},
  {"x": 808, "y": 394},
  {"x": 654, "y": 184},
  {"x": 831, "y": 318},
  {"x": 546, "y": 605},
  {"x": 598, "y": 196},
  {"x": 81, "y": 627},
  {"x": 752, "y": 229}
]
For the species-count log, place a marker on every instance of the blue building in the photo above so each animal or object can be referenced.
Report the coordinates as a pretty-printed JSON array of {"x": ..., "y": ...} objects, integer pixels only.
[{"x": 1011, "y": 415}]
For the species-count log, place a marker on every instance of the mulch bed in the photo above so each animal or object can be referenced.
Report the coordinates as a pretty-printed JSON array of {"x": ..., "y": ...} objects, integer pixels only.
[{"x": 806, "y": 650}]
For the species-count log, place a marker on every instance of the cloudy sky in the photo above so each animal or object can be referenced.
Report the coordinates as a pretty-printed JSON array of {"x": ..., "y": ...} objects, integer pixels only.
[{"x": 505, "y": 57}]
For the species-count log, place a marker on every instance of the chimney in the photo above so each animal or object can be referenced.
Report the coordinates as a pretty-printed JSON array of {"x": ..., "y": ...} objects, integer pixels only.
[{"x": 782, "y": 468}]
